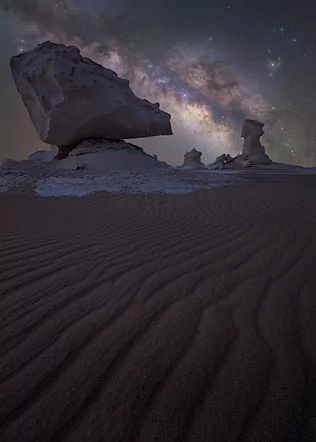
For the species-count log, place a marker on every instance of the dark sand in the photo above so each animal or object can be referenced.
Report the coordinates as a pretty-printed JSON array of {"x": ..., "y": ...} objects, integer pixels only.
[{"x": 160, "y": 318}]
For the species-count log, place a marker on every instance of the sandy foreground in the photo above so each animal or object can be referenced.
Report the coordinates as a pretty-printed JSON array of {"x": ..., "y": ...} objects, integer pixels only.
[{"x": 160, "y": 318}]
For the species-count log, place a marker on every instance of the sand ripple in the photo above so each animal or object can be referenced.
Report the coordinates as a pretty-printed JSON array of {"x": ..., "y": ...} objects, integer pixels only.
[{"x": 159, "y": 318}]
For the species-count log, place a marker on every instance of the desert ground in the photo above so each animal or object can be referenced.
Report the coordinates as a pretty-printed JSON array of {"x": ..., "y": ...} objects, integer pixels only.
[{"x": 160, "y": 317}]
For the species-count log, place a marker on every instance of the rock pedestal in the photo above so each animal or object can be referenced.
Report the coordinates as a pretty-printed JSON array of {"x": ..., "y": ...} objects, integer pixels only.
[{"x": 98, "y": 155}]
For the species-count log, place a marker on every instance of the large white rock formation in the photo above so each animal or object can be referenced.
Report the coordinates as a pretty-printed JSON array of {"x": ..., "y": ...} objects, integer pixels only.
[{"x": 70, "y": 98}]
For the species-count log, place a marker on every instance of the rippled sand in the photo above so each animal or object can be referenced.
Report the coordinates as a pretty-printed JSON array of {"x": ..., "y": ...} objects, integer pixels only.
[{"x": 160, "y": 318}]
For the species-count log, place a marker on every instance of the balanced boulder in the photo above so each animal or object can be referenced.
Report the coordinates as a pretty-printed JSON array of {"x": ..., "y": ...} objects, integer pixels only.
[{"x": 70, "y": 98}]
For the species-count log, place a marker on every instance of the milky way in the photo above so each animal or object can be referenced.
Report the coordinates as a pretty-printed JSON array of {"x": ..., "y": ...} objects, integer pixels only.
[{"x": 207, "y": 92}]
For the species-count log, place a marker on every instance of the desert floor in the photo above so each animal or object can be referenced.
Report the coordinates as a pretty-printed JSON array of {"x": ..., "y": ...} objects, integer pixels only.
[{"x": 160, "y": 318}]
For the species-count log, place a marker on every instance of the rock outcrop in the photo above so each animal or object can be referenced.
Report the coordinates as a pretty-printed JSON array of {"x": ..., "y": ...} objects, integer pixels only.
[
  {"x": 70, "y": 98},
  {"x": 253, "y": 153},
  {"x": 221, "y": 161},
  {"x": 102, "y": 145},
  {"x": 97, "y": 155},
  {"x": 193, "y": 159}
]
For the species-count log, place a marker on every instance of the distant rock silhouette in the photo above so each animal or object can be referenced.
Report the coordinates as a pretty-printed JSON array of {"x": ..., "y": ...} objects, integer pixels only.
[
  {"x": 193, "y": 159},
  {"x": 253, "y": 152},
  {"x": 221, "y": 161},
  {"x": 70, "y": 98}
]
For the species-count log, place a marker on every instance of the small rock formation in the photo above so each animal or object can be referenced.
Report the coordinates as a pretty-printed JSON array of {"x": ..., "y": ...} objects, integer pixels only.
[
  {"x": 70, "y": 98},
  {"x": 97, "y": 155},
  {"x": 221, "y": 161},
  {"x": 193, "y": 159}
]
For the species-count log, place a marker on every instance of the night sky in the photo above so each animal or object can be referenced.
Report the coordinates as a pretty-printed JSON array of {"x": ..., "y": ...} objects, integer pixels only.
[{"x": 210, "y": 63}]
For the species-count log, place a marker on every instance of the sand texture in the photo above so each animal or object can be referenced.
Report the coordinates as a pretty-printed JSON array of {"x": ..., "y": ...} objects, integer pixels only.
[{"x": 160, "y": 318}]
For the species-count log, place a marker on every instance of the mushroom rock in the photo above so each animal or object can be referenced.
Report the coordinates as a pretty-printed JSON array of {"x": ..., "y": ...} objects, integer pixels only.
[
  {"x": 253, "y": 152},
  {"x": 70, "y": 98},
  {"x": 193, "y": 159}
]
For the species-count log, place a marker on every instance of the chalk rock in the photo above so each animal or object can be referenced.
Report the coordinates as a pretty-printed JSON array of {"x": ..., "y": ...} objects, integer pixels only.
[
  {"x": 221, "y": 158},
  {"x": 70, "y": 98},
  {"x": 7, "y": 163},
  {"x": 221, "y": 161},
  {"x": 99, "y": 155},
  {"x": 103, "y": 145},
  {"x": 42, "y": 156},
  {"x": 193, "y": 159},
  {"x": 253, "y": 152}
]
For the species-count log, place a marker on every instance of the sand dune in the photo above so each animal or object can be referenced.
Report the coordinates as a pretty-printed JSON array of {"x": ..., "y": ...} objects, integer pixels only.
[{"x": 160, "y": 318}]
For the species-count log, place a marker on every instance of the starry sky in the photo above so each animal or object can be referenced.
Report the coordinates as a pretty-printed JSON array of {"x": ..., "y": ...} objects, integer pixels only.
[{"x": 210, "y": 63}]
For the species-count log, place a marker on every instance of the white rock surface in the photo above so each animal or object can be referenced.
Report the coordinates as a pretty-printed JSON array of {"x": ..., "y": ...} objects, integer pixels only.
[
  {"x": 70, "y": 98},
  {"x": 164, "y": 181},
  {"x": 100, "y": 155},
  {"x": 41, "y": 155},
  {"x": 44, "y": 179}
]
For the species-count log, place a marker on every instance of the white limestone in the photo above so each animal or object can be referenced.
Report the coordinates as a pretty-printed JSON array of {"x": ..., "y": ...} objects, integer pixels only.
[{"x": 70, "y": 98}]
